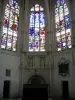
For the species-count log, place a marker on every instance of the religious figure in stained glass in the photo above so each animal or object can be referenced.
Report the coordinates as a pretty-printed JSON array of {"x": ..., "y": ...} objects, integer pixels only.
[
  {"x": 10, "y": 26},
  {"x": 62, "y": 23},
  {"x": 37, "y": 29}
]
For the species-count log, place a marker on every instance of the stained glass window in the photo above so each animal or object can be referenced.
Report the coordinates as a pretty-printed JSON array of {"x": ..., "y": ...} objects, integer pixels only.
[
  {"x": 10, "y": 26},
  {"x": 63, "y": 28},
  {"x": 37, "y": 29}
]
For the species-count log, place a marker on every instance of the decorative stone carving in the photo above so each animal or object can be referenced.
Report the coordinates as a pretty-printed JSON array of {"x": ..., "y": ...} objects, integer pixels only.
[
  {"x": 30, "y": 58},
  {"x": 63, "y": 60},
  {"x": 36, "y": 79},
  {"x": 63, "y": 65},
  {"x": 42, "y": 61}
]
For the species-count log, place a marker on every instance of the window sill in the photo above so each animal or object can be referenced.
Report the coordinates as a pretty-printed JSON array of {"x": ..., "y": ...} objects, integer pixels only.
[
  {"x": 64, "y": 74},
  {"x": 34, "y": 53},
  {"x": 8, "y": 52}
]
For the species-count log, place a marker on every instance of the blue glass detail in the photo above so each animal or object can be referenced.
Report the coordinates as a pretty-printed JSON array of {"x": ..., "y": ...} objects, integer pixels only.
[
  {"x": 58, "y": 3},
  {"x": 62, "y": 1},
  {"x": 67, "y": 25},
  {"x": 42, "y": 18},
  {"x": 31, "y": 31},
  {"x": 14, "y": 4},
  {"x": 67, "y": 17},
  {"x": 36, "y": 17},
  {"x": 31, "y": 17},
  {"x": 56, "y": 10},
  {"x": 5, "y": 22},
  {"x": 31, "y": 45}
]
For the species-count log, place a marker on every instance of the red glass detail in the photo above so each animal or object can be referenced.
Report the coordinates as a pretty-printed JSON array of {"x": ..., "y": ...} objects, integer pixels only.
[
  {"x": 14, "y": 26},
  {"x": 40, "y": 39},
  {"x": 42, "y": 32}
]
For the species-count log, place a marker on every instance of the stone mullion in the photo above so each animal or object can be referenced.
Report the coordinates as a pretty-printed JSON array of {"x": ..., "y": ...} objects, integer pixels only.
[
  {"x": 2, "y": 10},
  {"x": 26, "y": 25},
  {"x": 21, "y": 73},
  {"x": 72, "y": 12}
]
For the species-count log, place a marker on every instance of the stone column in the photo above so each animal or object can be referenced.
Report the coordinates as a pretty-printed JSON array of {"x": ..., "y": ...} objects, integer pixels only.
[{"x": 21, "y": 73}]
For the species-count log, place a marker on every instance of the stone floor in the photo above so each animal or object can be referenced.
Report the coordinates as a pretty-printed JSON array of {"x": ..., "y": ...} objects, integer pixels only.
[
  {"x": 10, "y": 99},
  {"x": 49, "y": 99}
]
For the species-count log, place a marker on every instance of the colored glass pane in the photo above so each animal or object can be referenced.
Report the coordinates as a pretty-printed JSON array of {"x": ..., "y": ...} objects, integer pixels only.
[
  {"x": 37, "y": 7},
  {"x": 37, "y": 29},
  {"x": 32, "y": 9},
  {"x": 62, "y": 25},
  {"x": 10, "y": 26},
  {"x": 58, "y": 3},
  {"x": 41, "y": 9}
]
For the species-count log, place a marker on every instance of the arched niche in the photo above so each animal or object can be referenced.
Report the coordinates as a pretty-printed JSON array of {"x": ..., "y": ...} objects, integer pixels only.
[{"x": 36, "y": 80}]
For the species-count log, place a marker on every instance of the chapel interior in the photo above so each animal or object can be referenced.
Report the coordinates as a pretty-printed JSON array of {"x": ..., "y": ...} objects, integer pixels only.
[{"x": 37, "y": 49}]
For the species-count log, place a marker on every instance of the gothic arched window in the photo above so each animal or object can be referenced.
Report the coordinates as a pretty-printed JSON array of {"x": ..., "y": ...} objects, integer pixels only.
[
  {"x": 37, "y": 29},
  {"x": 63, "y": 27},
  {"x": 10, "y": 26}
]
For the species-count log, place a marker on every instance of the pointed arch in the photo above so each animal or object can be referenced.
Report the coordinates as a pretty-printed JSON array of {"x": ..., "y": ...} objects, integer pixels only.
[
  {"x": 37, "y": 29},
  {"x": 62, "y": 24},
  {"x": 10, "y": 26}
]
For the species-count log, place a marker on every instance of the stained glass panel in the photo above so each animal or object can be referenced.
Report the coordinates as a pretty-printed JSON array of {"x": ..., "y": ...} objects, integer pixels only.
[
  {"x": 58, "y": 3},
  {"x": 37, "y": 29},
  {"x": 42, "y": 19},
  {"x": 62, "y": 25},
  {"x": 62, "y": 2},
  {"x": 9, "y": 42},
  {"x": 37, "y": 7},
  {"x": 41, "y": 9},
  {"x": 4, "y": 40},
  {"x": 32, "y": 9},
  {"x": 36, "y": 45},
  {"x": 10, "y": 26}
]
